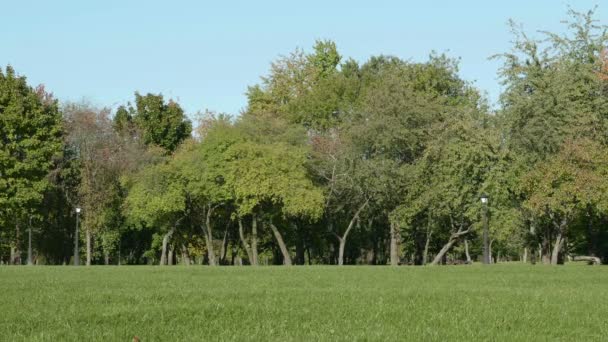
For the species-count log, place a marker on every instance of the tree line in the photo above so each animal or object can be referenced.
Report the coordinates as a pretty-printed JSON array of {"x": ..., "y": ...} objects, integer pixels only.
[{"x": 331, "y": 162}]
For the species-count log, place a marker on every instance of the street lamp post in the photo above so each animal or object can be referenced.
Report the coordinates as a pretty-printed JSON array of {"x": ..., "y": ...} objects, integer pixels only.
[
  {"x": 76, "y": 249},
  {"x": 486, "y": 244}
]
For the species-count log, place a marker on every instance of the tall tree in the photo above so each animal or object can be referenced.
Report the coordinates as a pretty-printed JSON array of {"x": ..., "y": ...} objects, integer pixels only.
[
  {"x": 554, "y": 93},
  {"x": 157, "y": 199},
  {"x": 567, "y": 186},
  {"x": 269, "y": 176},
  {"x": 160, "y": 123},
  {"x": 103, "y": 155},
  {"x": 448, "y": 180},
  {"x": 30, "y": 140}
]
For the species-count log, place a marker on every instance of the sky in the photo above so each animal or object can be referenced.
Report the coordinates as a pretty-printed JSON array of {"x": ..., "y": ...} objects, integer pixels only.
[{"x": 204, "y": 54}]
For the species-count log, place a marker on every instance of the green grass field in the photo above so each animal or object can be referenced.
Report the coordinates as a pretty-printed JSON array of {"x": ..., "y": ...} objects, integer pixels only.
[{"x": 501, "y": 302}]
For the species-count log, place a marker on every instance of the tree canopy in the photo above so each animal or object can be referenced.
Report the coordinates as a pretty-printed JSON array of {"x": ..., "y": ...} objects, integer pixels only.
[{"x": 332, "y": 161}]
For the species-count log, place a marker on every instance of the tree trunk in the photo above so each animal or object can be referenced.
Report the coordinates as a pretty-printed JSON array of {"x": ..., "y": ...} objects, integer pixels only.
[
  {"x": 524, "y": 259},
  {"x": 12, "y": 258},
  {"x": 308, "y": 255},
  {"x": 559, "y": 241},
  {"x": 29, "y": 243},
  {"x": 341, "y": 247},
  {"x": 207, "y": 230},
  {"x": 89, "y": 245},
  {"x": 254, "y": 240},
  {"x": 342, "y": 239},
  {"x": 533, "y": 255},
  {"x": 299, "y": 245},
  {"x": 224, "y": 248},
  {"x": 443, "y": 251},
  {"x": 15, "y": 251},
  {"x": 282, "y": 246},
  {"x": 532, "y": 247},
  {"x": 106, "y": 258},
  {"x": 163, "y": 254},
  {"x": 466, "y": 251},
  {"x": 395, "y": 237},
  {"x": 185, "y": 255},
  {"x": 592, "y": 260},
  {"x": 544, "y": 251},
  {"x": 453, "y": 238},
  {"x": 244, "y": 241},
  {"x": 545, "y": 247},
  {"x": 170, "y": 256},
  {"x": 557, "y": 249},
  {"x": 251, "y": 250},
  {"x": 233, "y": 252},
  {"x": 425, "y": 254},
  {"x": 333, "y": 257}
]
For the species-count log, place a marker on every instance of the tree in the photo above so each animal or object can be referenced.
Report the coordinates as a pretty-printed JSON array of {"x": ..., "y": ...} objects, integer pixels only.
[
  {"x": 341, "y": 162},
  {"x": 383, "y": 131},
  {"x": 30, "y": 140},
  {"x": 162, "y": 124},
  {"x": 448, "y": 180},
  {"x": 554, "y": 93},
  {"x": 566, "y": 186},
  {"x": 269, "y": 177},
  {"x": 103, "y": 156},
  {"x": 203, "y": 167},
  {"x": 400, "y": 103},
  {"x": 301, "y": 87},
  {"x": 346, "y": 184},
  {"x": 157, "y": 198},
  {"x": 272, "y": 179},
  {"x": 187, "y": 188}
]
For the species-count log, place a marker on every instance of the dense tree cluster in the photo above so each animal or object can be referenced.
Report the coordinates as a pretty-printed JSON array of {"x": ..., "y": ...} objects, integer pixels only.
[{"x": 332, "y": 162}]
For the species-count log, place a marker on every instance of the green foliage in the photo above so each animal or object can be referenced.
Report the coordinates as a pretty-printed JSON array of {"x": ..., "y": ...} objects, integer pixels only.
[
  {"x": 157, "y": 197},
  {"x": 327, "y": 146},
  {"x": 162, "y": 124},
  {"x": 273, "y": 174},
  {"x": 30, "y": 141},
  {"x": 302, "y": 88},
  {"x": 554, "y": 106},
  {"x": 553, "y": 92},
  {"x": 325, "y": 59},
  {"x": 263, "y": 161},
  {"x": 569, "y": 183},
  {"x": 447, "y": 181}
]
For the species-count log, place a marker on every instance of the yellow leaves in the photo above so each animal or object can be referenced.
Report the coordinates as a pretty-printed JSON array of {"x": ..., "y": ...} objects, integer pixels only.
[
  {"x": 602, "y": 73},
  {"x": 574, "y": 178}
]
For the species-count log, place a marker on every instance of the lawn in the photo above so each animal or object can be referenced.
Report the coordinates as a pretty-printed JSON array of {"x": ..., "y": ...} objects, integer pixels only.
[{"x": 500, "y": 302}]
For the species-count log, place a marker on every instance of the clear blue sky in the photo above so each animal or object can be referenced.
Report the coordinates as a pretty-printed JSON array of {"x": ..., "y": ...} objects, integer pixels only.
[{"x": 205, "y": 53}]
